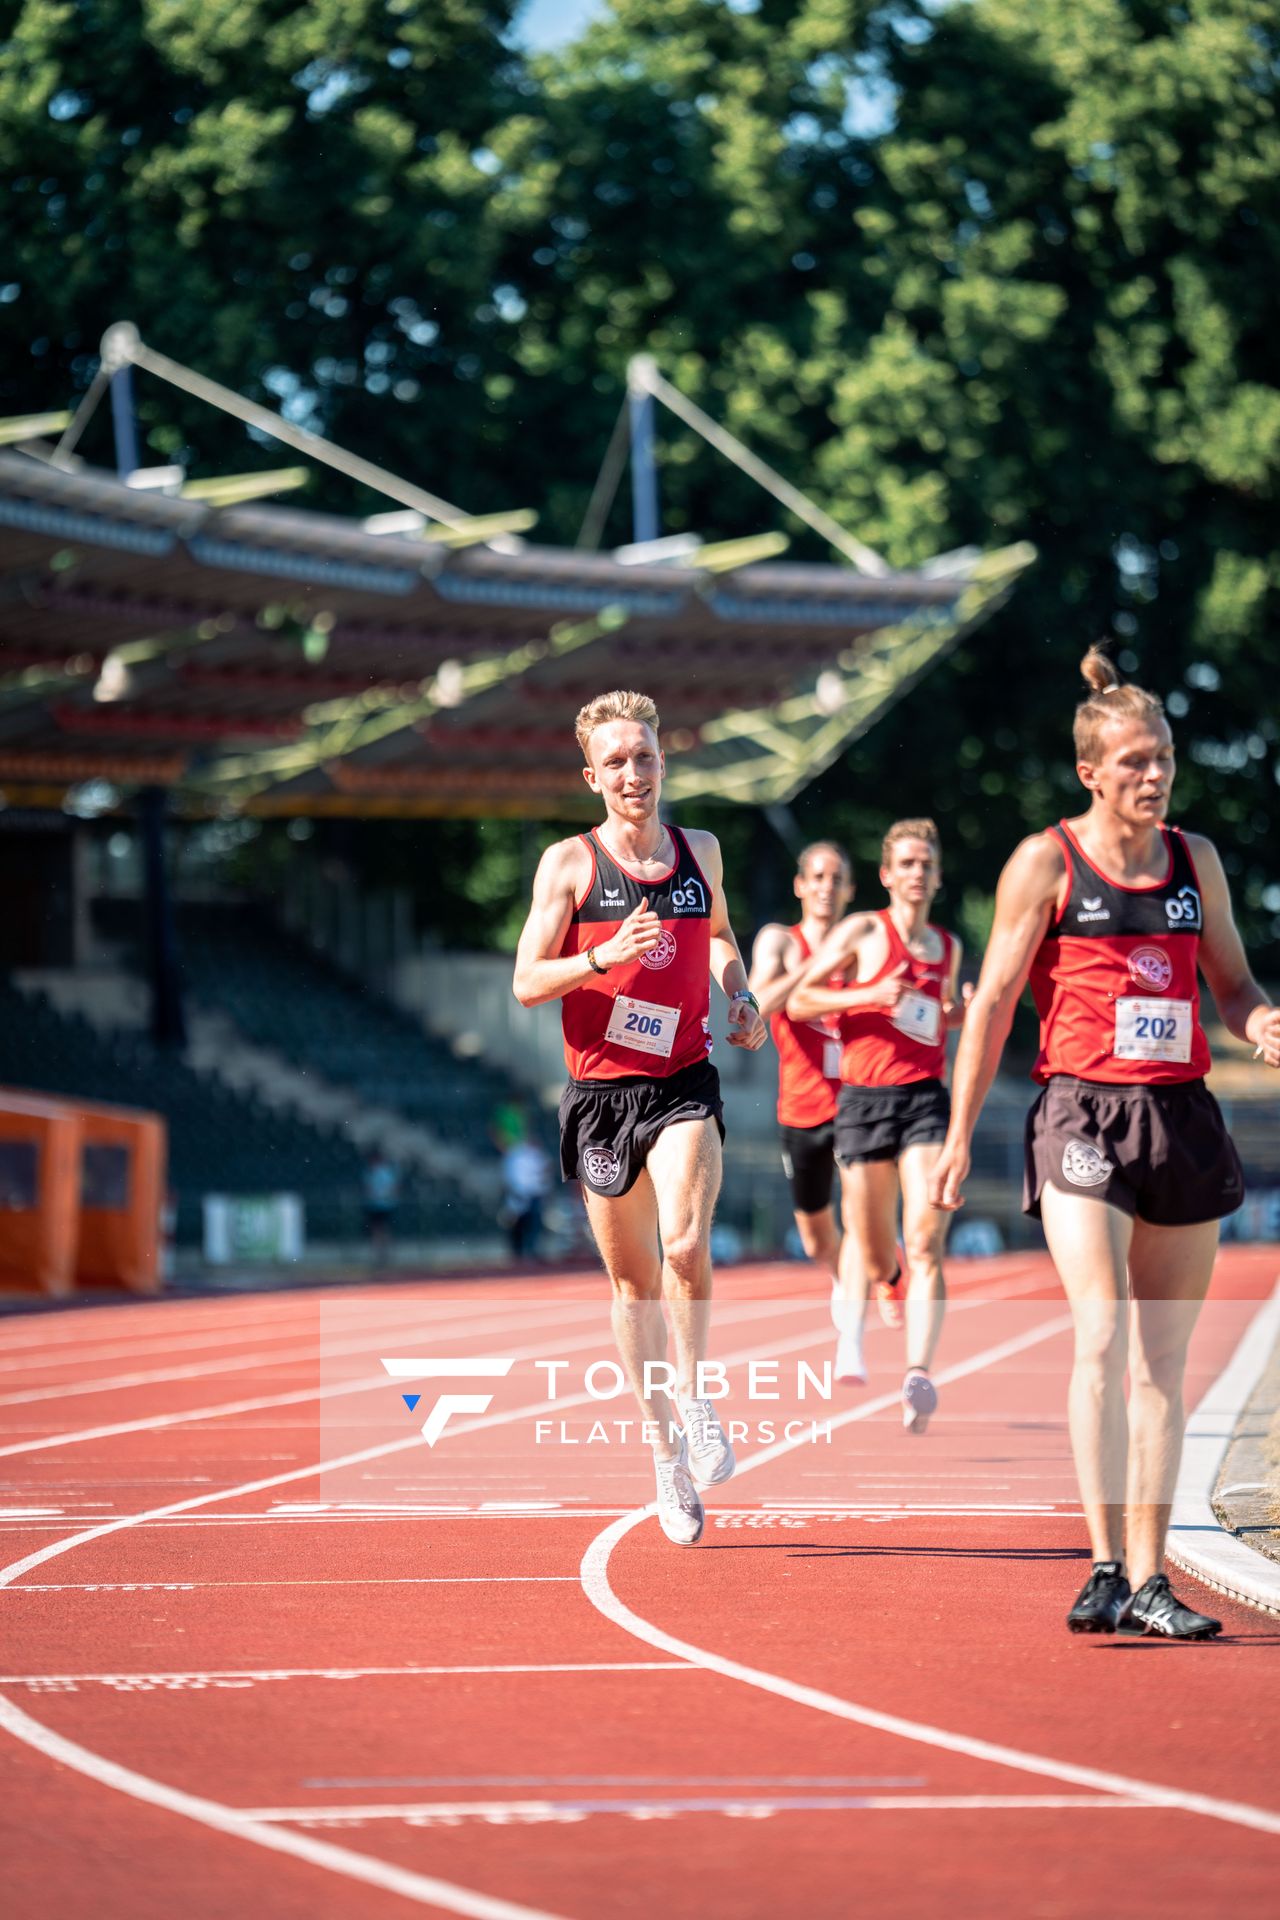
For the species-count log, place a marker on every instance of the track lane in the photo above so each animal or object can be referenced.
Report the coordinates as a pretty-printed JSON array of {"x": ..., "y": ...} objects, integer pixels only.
[{"x": 629, "y": 1854}]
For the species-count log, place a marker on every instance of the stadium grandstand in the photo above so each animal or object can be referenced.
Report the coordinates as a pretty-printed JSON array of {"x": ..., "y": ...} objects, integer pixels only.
[{"x": 177, "y": 652}]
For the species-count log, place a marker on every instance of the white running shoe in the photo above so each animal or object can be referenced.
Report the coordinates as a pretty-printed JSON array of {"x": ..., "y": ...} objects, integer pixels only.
[
  {"x": 706, "y": 1444},
  {"x": 680, "y": 1512},
  {"x": 851, "y": 1368},
  {"x": 919, "y": 1400}
]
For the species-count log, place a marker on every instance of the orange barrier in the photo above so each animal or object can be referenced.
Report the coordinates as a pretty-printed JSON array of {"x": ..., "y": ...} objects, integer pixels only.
[
  {"x": 39, "y": 1193},
  {"x": 122, "y": 1175},
  {"x": 81, "y": 1192}
]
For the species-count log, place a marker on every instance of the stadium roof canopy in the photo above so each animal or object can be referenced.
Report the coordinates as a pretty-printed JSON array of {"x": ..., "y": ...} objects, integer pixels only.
[{"x": 289, "y": 662}]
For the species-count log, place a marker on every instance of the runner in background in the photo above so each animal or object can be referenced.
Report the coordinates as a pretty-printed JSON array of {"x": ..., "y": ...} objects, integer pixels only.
[
  {"x": 627, "y": 929},
  {"x": 899, "y": 997},
  {"x": 808, "y": 1050},
  {"x": 1128, "y": 1164}
]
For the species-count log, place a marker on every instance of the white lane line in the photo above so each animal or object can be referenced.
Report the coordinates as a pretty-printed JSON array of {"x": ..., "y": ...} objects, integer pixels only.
[
  {"x": 226, "y": 1409},
  {"x": 422, "y": 1888},
  {"x": 268, "y": 1358},
  {"x": 598, "y": 1780},
  {"x": 480, "y": 1423},
  {"x": 351, "y": 1295},
  {"x": 594, "y": 1574},
  {"x": 37, "y": 1355},
  {"x": 359, "y": 1316},
  {"x": 1197, "y": 1541},
  {"x": 215, "y": 1676},
  {"x": 372, "y": 1580},
  {"x": 499, "y": 1812},
  {"x": 211, "y": 1813}
]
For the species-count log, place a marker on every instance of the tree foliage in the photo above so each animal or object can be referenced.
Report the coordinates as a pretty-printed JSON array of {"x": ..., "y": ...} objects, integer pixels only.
[{"x": 968, "y": 270}]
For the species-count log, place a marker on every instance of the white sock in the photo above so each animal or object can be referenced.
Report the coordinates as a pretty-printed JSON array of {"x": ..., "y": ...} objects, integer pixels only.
[{"x": 846, "y": 1315}]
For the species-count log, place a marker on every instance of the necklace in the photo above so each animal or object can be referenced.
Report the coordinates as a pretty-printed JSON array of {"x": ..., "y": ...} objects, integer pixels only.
[{"x": 643, "y": 860}]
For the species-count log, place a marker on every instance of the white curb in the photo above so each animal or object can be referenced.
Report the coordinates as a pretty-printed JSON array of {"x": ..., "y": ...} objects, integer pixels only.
[{"x": 1197, "y": 1543}]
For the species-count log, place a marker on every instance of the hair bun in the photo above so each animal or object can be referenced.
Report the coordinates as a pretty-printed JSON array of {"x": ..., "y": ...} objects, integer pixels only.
[{"x": 1098, "y": 672}]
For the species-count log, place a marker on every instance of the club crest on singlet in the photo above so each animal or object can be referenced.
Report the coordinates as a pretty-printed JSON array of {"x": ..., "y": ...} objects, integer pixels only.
[
  {"x": 663, "y": 954},
  {"x": 1152, "y": 968}
]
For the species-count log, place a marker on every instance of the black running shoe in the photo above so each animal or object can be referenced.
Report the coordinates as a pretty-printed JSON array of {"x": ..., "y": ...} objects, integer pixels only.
[
  {"x": 1155, "y": 1608},
  {"x": 1102, "y": 1599}
]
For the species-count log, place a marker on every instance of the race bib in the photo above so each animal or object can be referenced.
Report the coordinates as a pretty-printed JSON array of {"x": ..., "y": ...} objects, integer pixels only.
[
  {"x": 831, "y": 1051},
  {"x": 919, "y": 1017},
  {"x": 644, "y": 1025},
  {"x": 1153, "y": 1030}
]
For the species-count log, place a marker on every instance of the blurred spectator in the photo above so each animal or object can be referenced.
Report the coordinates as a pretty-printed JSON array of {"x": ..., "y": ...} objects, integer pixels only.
[
  {"x": 381, "y": 1187},
  {"x": 526, "y": 1181}
]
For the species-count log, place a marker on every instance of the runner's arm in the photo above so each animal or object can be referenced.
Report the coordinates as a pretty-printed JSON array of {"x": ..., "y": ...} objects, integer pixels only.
[
  {"x": 1245, "y": 1007},
  {"x": 746, "y": 1027},
  {"x": 771, "y": 978},
  {"x": 955, "y": 1002},
  {"x": 1025, "y": 900},
  {"x": 542, "y": 973},
  {"x": 811, "y": 997}
]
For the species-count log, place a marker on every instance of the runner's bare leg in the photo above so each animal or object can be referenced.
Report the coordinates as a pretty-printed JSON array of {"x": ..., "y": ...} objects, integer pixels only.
[
  {"x": 923, "y": 1233},
  {"x": 1089, "y": 1241},
  {"x": 685, "y": 1165},
  {"x": 626, "y": 1233},
  {"x": 1169, "y": 1273},
  {"x": 868, "y": 1252}
]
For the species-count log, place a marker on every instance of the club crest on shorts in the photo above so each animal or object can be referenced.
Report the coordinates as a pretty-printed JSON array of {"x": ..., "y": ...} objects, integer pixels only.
[
  {"x": 1151, "y": 967},
  {"x": 601, "y": 1166},
  {"x": 1083, "y": 1165},
  {"x": 663, "y": 954}
]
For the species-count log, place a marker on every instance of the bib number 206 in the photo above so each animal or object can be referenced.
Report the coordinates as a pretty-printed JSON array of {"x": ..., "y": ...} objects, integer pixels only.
[{"x": 641, "y": 1023}]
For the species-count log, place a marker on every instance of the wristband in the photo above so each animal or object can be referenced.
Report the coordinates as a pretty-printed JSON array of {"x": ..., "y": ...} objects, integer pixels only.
[
  {"x": 745, "y": 993},
  {"x": 593, "y": 963}
]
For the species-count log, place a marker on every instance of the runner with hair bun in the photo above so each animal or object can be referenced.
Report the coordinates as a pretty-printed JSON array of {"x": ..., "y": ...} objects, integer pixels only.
[
  {"x": 1128, "y": 1163},
  {"x": 627, "y": 929}
]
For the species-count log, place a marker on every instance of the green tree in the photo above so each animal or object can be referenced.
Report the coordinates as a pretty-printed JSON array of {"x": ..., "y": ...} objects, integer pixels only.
[
  {"x": 969, "y": 271},
  {"x": 292, "y": 198}
]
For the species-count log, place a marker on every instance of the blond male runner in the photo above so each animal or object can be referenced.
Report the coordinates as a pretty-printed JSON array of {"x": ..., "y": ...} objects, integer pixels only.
[
  {"x": 627, "y": 929},
  {"x": 808, "y": 1050},
  {"x": 1111, "y": 917},
  {"x": 900, "y": 997}
]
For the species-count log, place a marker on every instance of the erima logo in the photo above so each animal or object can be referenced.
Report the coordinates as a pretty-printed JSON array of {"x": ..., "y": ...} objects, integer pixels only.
[
  {"x": 613, "y": 901},
  {"x": 1092, "y": 909},
  {"x": 438, "y": 1418}
]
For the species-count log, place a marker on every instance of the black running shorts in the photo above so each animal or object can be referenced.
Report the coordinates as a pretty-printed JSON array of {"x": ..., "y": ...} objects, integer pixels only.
[
  {"x": 877, "y": 1123},
  {"x": 608, "y": 1126},
  {"x": 1162, "y": 1153},
  {"x": 808, "y": 1160}
]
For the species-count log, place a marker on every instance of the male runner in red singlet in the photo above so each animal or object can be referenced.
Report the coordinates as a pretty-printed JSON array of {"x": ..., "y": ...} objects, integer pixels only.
[
  {"x": 808, "y": 1050},
  {"x": 891, "y": 1118},
  {"x": 627, "y": 929},
  {"x": 1129, "y": 1165}
]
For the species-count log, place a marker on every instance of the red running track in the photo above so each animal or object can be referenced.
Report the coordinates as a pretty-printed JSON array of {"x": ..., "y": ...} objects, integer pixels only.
[{"x": 232, "y": 1683}]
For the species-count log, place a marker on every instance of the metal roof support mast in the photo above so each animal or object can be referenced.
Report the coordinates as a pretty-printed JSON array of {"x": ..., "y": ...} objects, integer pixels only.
[
  {"x": 645, "y": 518},
  {"x": 644, "y": 382}
]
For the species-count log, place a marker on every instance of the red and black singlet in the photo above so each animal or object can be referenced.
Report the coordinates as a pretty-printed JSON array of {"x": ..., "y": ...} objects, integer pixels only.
[
  {"x": 808, "y": 1060},
  {"x": 1114, "y": 980},
  {"x": 651, "y": 1016},
  {"x": 895, "y": 1049}
]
